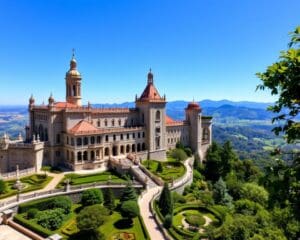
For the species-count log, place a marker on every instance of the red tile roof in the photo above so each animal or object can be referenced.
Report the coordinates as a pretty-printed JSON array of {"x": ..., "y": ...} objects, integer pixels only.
[
  {"x": 83, "y": 127},
  {"x": 65, "y": 105},
  {"x": 150, "y": 94},
  {"x": 172, "y": 122}
]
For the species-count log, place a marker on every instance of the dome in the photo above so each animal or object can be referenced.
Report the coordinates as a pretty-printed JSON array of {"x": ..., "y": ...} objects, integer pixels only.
[{"x": 193, "y": 106}]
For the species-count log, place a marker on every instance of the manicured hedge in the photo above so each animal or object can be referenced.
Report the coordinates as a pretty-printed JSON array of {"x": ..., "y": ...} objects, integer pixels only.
[
  {"x": 32, "y": 226},
  {"x": 40, "y": 204}
]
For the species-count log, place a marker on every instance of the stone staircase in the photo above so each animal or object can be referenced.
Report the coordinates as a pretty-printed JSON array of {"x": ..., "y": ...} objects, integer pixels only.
[{"x": 141, "y": 176}]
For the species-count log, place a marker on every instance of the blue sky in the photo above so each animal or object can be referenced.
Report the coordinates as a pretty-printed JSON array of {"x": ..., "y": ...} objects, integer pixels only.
[{"x": 197, "y": 49}]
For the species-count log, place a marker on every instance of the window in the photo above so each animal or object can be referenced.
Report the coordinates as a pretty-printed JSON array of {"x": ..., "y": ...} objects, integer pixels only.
[
  {"x": 121, "y": 136},
  {"x": 113, "y": 122},
  {"x": 120, "y": 122},
  {"x": 105, "y": 122},
  {"x": 106, "y": 138},
  {"x": 143, "y": 134},
  {"x": 85, "y": 156},
  {"x": 98, "y": 123},
  {"x": 114, "y": 137},
  {"x": 78, "y": 141},
  {"x": 67, "y": 140},
  {"x": 157, "y": 115},
  {"x": 98, "y": 139},
  {"x": 85, "y": 141},
  {"x": 93, "y": 140},
  {"x": 205, "y": 134},
  {"x": 139, "y": 135},
  {"x": 143, "y": 117},
  {"x": 127, "y": 135},
  {"x": 57, "y": 138},
  {"x": 157, "y": 130},
  {"x": 72, "y": 141},
  {"x": 133, "y": 135},
  {"x": 79, "y": 156}
]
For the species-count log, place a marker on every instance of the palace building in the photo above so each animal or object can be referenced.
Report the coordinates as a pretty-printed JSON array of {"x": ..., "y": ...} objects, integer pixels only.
[{"x": 84, "y": 137}]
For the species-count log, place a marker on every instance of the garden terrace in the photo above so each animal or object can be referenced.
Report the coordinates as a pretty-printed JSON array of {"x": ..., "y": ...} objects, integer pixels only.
[
  {"x": 171, "y": 170},
  {"x": 31, "y": 183}
]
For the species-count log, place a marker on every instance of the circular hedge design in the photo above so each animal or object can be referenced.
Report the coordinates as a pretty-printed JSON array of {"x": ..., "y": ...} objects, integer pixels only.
[{"x": 195, "y": 220}]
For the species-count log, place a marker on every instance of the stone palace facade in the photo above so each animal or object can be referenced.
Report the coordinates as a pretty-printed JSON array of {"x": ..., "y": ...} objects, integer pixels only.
[{"x": 83, "y": 137}]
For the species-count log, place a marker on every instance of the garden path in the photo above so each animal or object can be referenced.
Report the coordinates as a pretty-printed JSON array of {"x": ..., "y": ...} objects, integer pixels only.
[{"x": 208, "y": 221}]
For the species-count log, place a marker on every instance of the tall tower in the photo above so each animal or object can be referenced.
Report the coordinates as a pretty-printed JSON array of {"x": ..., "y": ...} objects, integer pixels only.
[
  {"x": 193, "y": 117},
  {"x": 152, "y": 108},
  {"x": 73, "y": 83}
]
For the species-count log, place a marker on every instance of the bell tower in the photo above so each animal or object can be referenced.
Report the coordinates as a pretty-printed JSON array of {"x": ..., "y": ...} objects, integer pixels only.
[{"x": 73, "y": 83}]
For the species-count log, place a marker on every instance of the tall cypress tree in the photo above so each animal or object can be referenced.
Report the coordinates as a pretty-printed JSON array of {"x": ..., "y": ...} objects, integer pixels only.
[
  {"x": 129, "y": 193},
  {"x": 109, "y": 199},
  {"x": 165, "y": 201}
]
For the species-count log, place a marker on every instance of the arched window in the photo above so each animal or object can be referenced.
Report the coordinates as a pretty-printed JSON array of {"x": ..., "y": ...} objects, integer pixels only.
[
  {"x": 74, "y": 91},
  {"x": 113, "y": 122},
  {"x": 98, "y": 123},
  {"x": 85, "y": 141},
  {"x": 105, "y": 122},
  {"x": 205, "y": 134},
  {"x": 92, "y": 140},
  {"x": 92, "y": 155},
  {"x": 157, "y": 115},
  {"x": 120, "y": 122},
  {"x": 106, "y": 151}
]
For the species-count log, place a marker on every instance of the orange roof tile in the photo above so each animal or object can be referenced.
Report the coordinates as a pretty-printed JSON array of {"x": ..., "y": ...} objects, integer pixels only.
[
  {"x": 64, "y": 105},
  {"x": 150, "y": 93},
  {"x": 172, "y": 122},
  {"x": 83, "y": 127}
]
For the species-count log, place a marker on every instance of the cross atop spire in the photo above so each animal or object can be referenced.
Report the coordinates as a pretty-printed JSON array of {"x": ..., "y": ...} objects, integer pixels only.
[
  {"x": 73, "y": 53},
  {"x": 150, "y": 77}
]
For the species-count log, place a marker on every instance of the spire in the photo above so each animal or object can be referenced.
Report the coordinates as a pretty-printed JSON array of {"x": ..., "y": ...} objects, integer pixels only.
[
  {"x": 31, "y": 100},
  {"x": 73, "y": 63},
  {"x": 150, "y": 77}
]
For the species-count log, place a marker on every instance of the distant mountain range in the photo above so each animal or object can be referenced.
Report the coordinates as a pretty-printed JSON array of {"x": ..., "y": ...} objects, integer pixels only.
[{"x": 221, "y": 110}]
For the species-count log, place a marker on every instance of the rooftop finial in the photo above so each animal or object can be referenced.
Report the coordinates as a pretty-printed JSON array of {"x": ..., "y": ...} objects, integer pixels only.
[
  {"x": 73, "y": 52},
  {"x": 150, "y": 77}
]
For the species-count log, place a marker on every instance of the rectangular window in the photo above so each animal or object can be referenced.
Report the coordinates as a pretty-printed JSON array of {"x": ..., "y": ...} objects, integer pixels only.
[
  {"x": 139, "y": 135},
  {"x": 133, "y": 135},
  {"x": 106, "y": 138},
  {"x": 121, "y": 136},
  {"x": 127, "y": 135}
]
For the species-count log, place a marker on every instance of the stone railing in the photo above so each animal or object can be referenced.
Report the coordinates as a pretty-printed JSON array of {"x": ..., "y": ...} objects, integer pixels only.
[
  {"x": 154, "y": 178},
  {"x": 55, "y": 192},
  {"x": 23, "y": 172}
]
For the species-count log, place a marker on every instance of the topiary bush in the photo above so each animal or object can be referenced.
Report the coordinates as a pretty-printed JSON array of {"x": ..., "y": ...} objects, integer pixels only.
[
  {"x": 178, "y": 154},
  {"x": 130, "y": 209},
  {"x": 2, "y": 186},
  {"x": 63, "y": 202},
  {"x": 91, "y": 197},
  {"x": 195, "y": 220},
  {"x": 32, "y": 212},
  {"x": 168, "y": 221},
  {"x": 50, "y": 219}
]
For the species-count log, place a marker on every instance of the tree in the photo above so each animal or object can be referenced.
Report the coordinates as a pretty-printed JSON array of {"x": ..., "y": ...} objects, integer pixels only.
[
  {"x": 165, "y": 201},
  {"x": 130, "y": 209},
  {"x": 90, "y": 219},
  {"x": 283, "y": 78},
  {"x": 63, "y": 202},
  {"x": 179, "y": 154},
  {"x": 109, "y": 199},
  {"x": 168, "y": 221},
  {"x": 159, "y": 168},
  {"x": 128, "y": 193},
  {"x": 213, "y": 167},
  {"x": 2, "y": 186},
  {"x": 255, "y": 193},
  {"x": 220, "y": 193},
  {"x": 50, "y": 219},
  {"x": 227, "y": 157},
  {"x": 91, "y": 197}
]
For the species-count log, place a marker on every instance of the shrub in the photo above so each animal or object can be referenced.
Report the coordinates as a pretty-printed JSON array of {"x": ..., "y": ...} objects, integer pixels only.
[
  {"x": 2, "y": 186},
  {"x": 168, "y": 221},
  {"x": 177, "y": 198},
  {"x": 32, "y": 212},
  {"x": 51, "y": 219},
  {"x": 130, "y": 209},
  {"x": 179, "y": 145},
  {"x": 159, "y": 167},
  {"x": 91, "y": 197},
  {"x": 179, "y": 154},
  {"x": 188, "y": 151},
  {"x": 91, "y": 217},
  {"x": 195, "y": 220},
  {"x": 63, "y": 202},
  {"x": 165, "y": 201},
  {"x": 255, "y": 193}
]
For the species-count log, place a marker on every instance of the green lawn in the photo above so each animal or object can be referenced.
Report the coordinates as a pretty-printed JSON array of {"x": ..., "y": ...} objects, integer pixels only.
[
  {"x": 113, "y": 226},
  {"x": 171, "y": 169},
  {"x": 31, "y": 183},
  {"x": 78, "y": 179}
]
